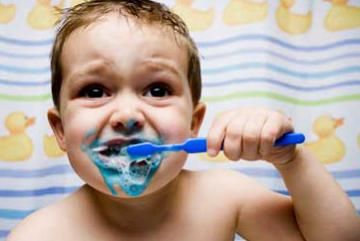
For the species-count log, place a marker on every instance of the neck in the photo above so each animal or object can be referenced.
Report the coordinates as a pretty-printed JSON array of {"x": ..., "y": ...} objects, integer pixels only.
[{"x": 141, "y": 213}]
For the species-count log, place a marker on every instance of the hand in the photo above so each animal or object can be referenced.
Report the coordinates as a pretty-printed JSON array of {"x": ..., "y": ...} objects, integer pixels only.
[{"x": 249, "y": 133}]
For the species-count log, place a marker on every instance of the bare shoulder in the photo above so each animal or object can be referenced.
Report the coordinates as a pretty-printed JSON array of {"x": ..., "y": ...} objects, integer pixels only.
[
  {"x": 46, "y": 223},
  {"x": 215, "y": 184},
  {"x": 243, "y": 189},
  {"x": 226, "y": 181},
  {"x": 37, "y": 226},
  {"x": 255, "y": 208}
]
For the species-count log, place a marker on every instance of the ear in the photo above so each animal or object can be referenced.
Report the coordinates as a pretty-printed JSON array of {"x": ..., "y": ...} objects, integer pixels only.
[
  {"x": 57, "y": 127},
  {"x": 197, "y": 118}
]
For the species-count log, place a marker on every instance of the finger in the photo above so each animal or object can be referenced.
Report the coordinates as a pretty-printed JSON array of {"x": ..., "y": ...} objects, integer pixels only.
[
  {"x": 287, "y": 126},
  {"x": 251, "y": 136},
  {"x": 233, "y": 138},
  {"x": 216, "y": 133},
  {"x": 275, "y": 126}
]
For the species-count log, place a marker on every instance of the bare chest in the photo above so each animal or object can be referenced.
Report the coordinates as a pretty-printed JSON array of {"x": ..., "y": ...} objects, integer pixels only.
[
  {"x": 175, "y": 234},
  {"x": 205, "y": 227}
]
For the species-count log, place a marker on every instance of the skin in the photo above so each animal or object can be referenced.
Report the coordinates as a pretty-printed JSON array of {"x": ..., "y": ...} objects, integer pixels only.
[
  {"x": 178, "y": 204},
  {"x": 127, "y": 69}
]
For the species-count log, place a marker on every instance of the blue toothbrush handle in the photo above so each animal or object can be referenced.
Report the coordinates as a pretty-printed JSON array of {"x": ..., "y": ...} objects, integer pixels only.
[
  {"x": 195, "y": 145},
  {"x": 290, "y": 138}
]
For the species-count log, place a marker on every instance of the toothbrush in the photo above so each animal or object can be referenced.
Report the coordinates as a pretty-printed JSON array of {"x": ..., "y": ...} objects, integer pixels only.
[{"x": 196, "y": 145}]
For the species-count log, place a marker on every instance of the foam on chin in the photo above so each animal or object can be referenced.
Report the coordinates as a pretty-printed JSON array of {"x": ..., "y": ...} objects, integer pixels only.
[
  {"x": 133, "y": 175},
  {"x": 136, "y": 169}
]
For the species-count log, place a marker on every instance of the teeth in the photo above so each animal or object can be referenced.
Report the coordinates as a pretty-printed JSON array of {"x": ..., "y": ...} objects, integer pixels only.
[
  {"x": 114, "y": 149},
  {"x": 99, "y": 148}
]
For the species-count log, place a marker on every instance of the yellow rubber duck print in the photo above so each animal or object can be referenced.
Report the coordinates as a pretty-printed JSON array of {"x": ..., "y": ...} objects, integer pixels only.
[
  {"x": 7, "y": 12},
  {"x": 342, "y": 16},
  {"x": 197, "y": 20},
  {"x": 328, "y": 148},
  {"x": 239, "y": 12},
  {"x": 220, "y": 158},
  {"x": 51, "y": 148},
  {"x": 290, "y": 22},
  {"x": 17, "y": 146},
  {"x": 44, "y": 15}
]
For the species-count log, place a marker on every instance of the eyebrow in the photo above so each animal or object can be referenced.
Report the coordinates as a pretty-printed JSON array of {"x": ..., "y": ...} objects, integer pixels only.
[
  {"x": 90, "y": 68},
  {"x": 160, "y": 65},
  {"x": 102, "y": 66}
]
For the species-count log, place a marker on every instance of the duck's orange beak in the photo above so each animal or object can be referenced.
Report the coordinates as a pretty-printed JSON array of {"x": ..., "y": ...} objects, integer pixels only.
[
  {"x": 339, "y": 122},
  {"x": 185, "y": 2},
  {"x": 287, "y": 3},
  {"x": 44, "y": 2},
  {"x": 339, "y": 2},
  {"x": 30, "y": 121}
]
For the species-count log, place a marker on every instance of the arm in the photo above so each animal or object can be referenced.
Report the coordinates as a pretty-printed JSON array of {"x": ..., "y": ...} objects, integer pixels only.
[
  {"x": 318, "y": 208},
  {"x": 265, "y": 215},
  {"x": 322, "y": 209}
]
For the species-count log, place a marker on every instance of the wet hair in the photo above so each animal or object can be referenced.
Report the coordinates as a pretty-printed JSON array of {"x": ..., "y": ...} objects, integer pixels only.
[{"x": 142, "y": 11}]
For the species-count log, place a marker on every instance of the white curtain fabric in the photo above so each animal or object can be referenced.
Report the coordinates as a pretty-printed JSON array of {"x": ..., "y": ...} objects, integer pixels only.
[{"x": 299, "y": 57}]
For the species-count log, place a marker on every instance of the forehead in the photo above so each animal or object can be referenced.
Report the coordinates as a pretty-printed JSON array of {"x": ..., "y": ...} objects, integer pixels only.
[{"x": 113, "y": 35}]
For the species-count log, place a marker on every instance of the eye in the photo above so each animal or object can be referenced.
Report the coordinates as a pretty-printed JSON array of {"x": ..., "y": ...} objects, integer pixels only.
[
  {"x": 93, "y": 91},
  {"x": 158, "y": 90}
]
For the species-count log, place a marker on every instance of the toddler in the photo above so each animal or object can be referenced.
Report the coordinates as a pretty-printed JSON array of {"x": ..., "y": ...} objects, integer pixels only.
[{"x": 127, "y": 72}]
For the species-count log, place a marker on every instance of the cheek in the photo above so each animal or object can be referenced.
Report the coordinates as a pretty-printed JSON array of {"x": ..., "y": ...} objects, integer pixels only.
[
  {"x": 174, "y": 125},
  {"x": 77, "y": 124}
]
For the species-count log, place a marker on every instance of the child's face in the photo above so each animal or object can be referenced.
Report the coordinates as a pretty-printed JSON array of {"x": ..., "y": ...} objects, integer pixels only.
[{"x": 123, "y": 82}]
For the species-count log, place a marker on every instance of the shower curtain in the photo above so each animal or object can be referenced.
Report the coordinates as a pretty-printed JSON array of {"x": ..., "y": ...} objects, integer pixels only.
[{"x": 299, "y": 57}]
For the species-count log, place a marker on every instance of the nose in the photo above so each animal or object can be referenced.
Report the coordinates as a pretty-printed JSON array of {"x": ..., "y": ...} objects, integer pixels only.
[{"x": 127, "y": 117}]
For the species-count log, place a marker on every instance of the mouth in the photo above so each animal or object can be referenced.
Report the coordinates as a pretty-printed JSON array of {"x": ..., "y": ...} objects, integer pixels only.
[
  {"x": 115, "y": 148},
  {"x": 117, "y": 167},
  {"x": 112, "y": 155}
]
